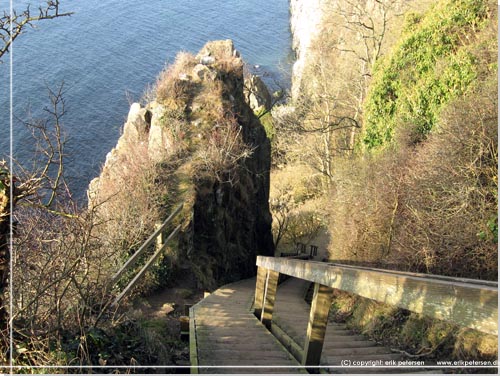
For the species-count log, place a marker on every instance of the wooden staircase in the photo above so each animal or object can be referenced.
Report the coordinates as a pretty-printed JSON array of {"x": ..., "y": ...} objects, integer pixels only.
[
  {"x": 282, "y": 333},
  {"x": 341, "y": 347},
  {"x": 226, "y": 337}
]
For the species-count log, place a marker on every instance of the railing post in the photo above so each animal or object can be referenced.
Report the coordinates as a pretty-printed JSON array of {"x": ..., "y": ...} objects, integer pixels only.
[
  {"x": 160, "y": 237},
  {"x": 259, "y": 291},
  {"x": 269, "y": 297},
  {"x": 318, "y": 319}
]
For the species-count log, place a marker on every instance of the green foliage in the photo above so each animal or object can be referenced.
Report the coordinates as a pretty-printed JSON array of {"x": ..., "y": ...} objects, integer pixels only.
[
  {"x": 493, "y": 227},
  {"x": 172, "y": 113},
  {"x": 163, "y": 270},
  {"x": 411, "y": 22},
  {"x": 431, "y": 65},
  {"x": 492, "y": 231},
  {"x": 267, "y": 122}
]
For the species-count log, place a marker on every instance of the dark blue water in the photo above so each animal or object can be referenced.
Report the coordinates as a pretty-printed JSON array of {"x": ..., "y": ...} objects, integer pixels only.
[{"x": 110, "y": 50}]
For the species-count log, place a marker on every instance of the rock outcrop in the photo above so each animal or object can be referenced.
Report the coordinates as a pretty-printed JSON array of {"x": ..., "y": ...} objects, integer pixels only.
[
  {"x": 256, "y": 94},
  {"x": 218, "y": 155}
]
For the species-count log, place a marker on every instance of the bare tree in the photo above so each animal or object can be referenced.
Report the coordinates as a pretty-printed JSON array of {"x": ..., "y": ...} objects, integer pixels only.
[
  {"x": 280, "y": 206},
  {"x": 42, "y": 186},
  {"x": 329, "y": 114},
  {"x": 47, "y": 169},
  {"x": 13, "y": 25},
  {"x": 366, "y": 26},
  {"x": 325, "y": 114}
]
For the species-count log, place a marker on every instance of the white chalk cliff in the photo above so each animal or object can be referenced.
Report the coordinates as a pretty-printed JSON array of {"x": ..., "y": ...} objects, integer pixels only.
[{"x": 305, "y": 17}]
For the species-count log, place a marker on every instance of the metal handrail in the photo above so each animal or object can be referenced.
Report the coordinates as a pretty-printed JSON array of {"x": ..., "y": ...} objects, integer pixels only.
[
  {"x": 146, "y": 267},
  {"x": 135, "y": 257}
]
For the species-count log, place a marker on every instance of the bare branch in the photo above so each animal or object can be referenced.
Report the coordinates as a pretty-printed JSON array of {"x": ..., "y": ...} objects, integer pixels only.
[{"x": 13, "y": 25}]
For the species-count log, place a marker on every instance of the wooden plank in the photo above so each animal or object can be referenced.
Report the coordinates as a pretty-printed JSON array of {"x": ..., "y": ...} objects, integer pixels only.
[
  {"x": 242, "y": 345},
  {"x": 465, "y": 304},
  {"x": 269, "y": 297},
  {"x": 193, "y": 345},
  {"x": 217, "y": 342},
  {"x": 230, "y": 334},
  {"x": 422, "y": 275},
  {"x": 242, "y": 341},
  {"x": 349, "y": 344},
  {"x": 316, "y": 329},
  {"x": 239, "y": 357},
  {"x": 135, "y": 257},
  {"x": 229, "y": 321},
  {"x": 286, "y": 340},
  {"x": 160, "y": 237},
  {"x": 252, "y": 370},
  {"x": 290, "y": 300}
]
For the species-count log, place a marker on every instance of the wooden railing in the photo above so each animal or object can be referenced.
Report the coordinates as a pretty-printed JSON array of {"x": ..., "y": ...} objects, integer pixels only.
[
  {"x": 301, "y": 249},
  {"x": 296, "y": 256},
  {"x": 464, "y": 302},
  {"x": 132, "y": 261}
]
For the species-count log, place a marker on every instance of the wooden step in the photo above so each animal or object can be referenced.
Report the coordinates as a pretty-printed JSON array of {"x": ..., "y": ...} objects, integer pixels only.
[
  {"x": 291, "y": 317},
  {"x": 225, "y": 333}
]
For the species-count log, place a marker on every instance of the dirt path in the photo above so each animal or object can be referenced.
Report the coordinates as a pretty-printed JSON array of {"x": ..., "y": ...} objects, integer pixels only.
[{"x": 158, "y": 316}]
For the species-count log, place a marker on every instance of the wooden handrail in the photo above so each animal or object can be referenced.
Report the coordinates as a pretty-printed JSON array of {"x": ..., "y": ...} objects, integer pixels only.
[
  {"x": 464, "y": 302},
  {"x": 288, "y": 254},
  {"x": 478, "y": 282},
  {"x": 146, "y": 267},
  {"x": 456, "y": 300},
  {"x": 135, "y": 257}
]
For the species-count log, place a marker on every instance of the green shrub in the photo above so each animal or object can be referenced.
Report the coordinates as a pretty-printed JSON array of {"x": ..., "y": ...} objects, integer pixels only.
[{"x": 431, "y": 65}]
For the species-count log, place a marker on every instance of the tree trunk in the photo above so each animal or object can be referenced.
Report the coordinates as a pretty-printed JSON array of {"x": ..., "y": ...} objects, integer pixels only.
[{"x": 4, "y": 249}]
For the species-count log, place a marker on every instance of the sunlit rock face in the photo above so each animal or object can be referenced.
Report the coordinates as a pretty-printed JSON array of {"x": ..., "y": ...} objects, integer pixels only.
[{"x": 305, "y": 17}]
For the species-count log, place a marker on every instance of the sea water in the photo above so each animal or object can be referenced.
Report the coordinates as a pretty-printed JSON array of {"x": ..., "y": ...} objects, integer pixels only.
[{"x": 109, "y": 51}]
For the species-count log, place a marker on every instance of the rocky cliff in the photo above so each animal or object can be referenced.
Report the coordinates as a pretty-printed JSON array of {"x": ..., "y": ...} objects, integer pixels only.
[
  {"x": 305, "y": 17},
  {"x": 217, "y": 156}
]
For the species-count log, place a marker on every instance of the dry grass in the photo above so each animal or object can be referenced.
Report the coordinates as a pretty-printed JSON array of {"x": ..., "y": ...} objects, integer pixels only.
[
  {"x": 208, "y": 105},
  {"x": 129, "y": 202},
  {"x": 448, "y": 216},
  {"x": 222, "y": 153},
  {"x": 363, "y": 204},
  {"x": 228, "y": 67},
  {"x": 471, "y": 345},
  {"x": 171, "y": 89},
  {"x": 297, "y": 207},
  {"x": 416, "y": 334}
]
